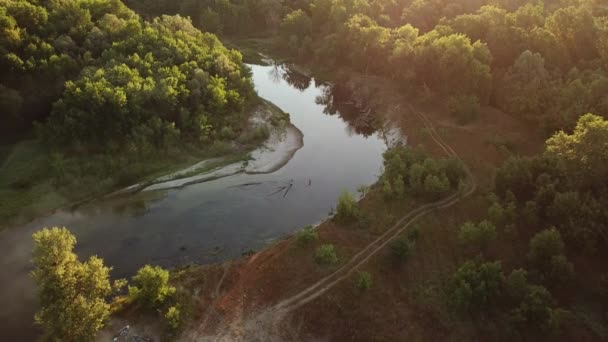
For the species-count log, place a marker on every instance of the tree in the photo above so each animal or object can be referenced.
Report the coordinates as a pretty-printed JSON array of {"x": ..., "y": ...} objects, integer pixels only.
[
  {"x": 151, "y": 286},
  {"x": 72, "y": 294},
  {"x": 348, "y": 208},
  {"x": 524, "y": 90},
  {"x": 544, "y": 246},
  {"x": 475, "y": 286},
  {"x": 296, "y": 23},
  {"x": 585, "y": 151}
]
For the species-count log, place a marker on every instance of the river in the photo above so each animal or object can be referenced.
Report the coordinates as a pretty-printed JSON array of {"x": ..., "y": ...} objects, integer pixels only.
[{"x": 217, "y": 220}]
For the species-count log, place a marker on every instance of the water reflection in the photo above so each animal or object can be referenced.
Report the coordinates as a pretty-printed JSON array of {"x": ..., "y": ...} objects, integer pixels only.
[{"x": 337, "y": 99}]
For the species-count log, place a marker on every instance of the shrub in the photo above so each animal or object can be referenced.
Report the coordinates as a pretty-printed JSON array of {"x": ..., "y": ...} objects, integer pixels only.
[
  {"x": 326, "y": 255},
  {"x": 151, "y": 286},
  {"x": 348, "y": 209},
  {"x": 307, "y": 235},
  {"x": 478, "y": 236},
  {"x": 364, "y": 281},
  {"x": 465, "y": 108},
  {"x": 402, "y": 248},
  {"x": 173, "y": 317}
]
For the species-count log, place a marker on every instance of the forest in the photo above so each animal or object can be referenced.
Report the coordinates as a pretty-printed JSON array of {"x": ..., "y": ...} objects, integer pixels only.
[
  {"x": 94, "y": 75},
  {"x": 516, "y": 55},
  {"x": 101, "y": 76}
]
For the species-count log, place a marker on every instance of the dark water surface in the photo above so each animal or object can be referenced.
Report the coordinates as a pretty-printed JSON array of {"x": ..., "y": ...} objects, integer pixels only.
[{"x": 213, "y": 221}]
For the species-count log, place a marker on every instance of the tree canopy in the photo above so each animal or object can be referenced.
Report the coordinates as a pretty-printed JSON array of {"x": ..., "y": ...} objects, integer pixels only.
[{"x": 96, "y": 75}]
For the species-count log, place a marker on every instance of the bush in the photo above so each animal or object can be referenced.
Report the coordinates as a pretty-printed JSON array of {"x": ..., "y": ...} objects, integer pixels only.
[
  {"x": 173, "y": 317},
  {"x": 465, "y": 108},
  {"x": 348, "y": 209},
  {"x": 364, "y": 281},
  {"x": 402, "y": 248},
  {"x": 307, "y": 235},
  {"x": 478, "y": 236},
  {"x": 151, "y": 286},
  {"x": 326, "y": 255}
]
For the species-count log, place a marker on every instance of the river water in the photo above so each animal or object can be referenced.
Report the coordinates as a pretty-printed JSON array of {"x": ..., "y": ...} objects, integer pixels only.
[{"x": 217, "y": 220}]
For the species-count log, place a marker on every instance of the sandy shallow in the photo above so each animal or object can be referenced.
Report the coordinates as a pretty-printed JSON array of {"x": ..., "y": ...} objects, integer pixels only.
[{"x": 278, "y": 150}]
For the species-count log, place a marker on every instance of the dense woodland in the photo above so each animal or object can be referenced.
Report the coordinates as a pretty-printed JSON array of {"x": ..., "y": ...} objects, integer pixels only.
[
  {"x": 517, "y": 55},
  {"x": 93, "y": 74}
]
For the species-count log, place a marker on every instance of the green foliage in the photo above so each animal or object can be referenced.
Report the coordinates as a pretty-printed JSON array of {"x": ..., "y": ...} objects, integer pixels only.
[
  {"x": 173, "y": 318},
  {"x": 464, "y": 108},
  {"x": 326, "y": 255},
  {"x": 348, "y": 209},
  {"x": 403, "y": 248},
  {"x": 364, "y": 280},
  {"x": 545, "y": 245},
  {"x": 477, "y": 235},
  {"x": 113, "y": 79},
  {"x": 475, "y": 286},
  {"x": 307, "y": 235},
  {"x": 564, "y": 187},
  {"x": 408, "y": 171},
  {"x": 72, "y": 294},
  {"x": 151, "y": 286}
]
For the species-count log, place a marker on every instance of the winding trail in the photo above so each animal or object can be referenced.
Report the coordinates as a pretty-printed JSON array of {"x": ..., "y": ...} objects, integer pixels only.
[
  {"x": 265, "y": 325},
  {"x": 325, "y": 284}
]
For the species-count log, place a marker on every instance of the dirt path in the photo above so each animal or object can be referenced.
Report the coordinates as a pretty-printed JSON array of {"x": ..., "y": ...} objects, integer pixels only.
[
  {"x": 266, "y": 324},
  {"x": 405, "y": 222}
]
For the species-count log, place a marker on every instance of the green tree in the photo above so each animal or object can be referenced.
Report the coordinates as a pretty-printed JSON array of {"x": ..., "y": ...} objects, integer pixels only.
[
  {"x": 524, "y": 90},
  {"x": 72, "y": 294},
  {"x": 544, "y": 246},
  {"x": 151, "y": 286},
  {"x": 475, "y": 286},
  {"x": 348, "y": 208}
]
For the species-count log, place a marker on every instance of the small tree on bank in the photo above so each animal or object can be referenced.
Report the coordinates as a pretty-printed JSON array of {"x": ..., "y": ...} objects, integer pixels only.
[{"x": 72, "y": 294}]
